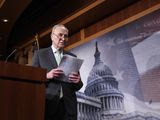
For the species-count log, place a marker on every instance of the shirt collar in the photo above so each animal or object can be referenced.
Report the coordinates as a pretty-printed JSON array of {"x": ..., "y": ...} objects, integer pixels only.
[{"x": 54, "y": 49}]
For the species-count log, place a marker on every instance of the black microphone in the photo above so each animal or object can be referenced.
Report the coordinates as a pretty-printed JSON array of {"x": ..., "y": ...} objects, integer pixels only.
[{"x": 10, "y": 55}]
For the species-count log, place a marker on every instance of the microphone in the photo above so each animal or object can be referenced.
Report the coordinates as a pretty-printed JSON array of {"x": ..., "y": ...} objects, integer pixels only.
[{"x": 10, "y": 55}]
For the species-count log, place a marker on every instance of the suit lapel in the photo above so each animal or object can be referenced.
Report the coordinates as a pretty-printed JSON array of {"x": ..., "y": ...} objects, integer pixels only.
[{"x": 52, "y": 58}]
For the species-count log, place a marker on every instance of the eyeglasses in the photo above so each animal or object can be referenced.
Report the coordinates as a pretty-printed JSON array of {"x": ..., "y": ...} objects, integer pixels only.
[{"x": 60, "y": 35}]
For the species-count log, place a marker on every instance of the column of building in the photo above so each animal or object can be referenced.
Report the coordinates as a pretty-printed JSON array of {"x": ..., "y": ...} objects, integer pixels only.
[{"x": 24, "y": 56}]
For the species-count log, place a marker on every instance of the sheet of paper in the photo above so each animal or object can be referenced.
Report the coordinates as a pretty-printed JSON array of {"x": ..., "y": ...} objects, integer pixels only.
[{"x": 69, "y": 64}]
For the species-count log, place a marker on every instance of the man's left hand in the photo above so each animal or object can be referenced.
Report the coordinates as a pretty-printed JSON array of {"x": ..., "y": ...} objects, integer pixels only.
[{"x": 74, "y": 77}]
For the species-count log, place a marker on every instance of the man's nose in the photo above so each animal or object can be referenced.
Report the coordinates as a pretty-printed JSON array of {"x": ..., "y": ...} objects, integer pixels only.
[{"x": 62, "y": 37}]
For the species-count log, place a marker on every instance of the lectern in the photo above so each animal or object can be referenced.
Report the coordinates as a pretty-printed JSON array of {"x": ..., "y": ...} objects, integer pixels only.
[{"x": 22, "y": 92}]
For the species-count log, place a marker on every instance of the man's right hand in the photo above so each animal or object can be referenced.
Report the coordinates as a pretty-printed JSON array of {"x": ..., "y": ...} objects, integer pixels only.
[{"x": 54, "y": 73}]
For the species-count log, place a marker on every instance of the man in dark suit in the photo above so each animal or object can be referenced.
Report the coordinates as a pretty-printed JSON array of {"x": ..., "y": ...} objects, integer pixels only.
[{"x": 61, "y": 102}]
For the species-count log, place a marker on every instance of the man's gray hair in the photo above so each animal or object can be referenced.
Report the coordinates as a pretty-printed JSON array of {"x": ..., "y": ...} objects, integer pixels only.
[{"x": 58, "y": 25}]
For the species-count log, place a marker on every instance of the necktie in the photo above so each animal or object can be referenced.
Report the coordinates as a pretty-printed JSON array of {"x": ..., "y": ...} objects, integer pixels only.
[{"x": 58, "y": 58}]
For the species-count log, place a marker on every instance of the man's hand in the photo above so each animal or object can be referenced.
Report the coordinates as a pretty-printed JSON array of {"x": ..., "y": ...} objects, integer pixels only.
[
  {"x": 54, "y": 73},
  {"x": 74, "y": 77}
]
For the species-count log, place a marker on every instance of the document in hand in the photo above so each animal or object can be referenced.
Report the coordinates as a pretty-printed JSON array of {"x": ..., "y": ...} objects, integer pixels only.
[{"x": 69, "y": 64}]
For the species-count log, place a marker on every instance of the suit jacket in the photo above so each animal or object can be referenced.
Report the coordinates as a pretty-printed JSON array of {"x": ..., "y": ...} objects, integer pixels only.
[{"x": 45, "y": 58}]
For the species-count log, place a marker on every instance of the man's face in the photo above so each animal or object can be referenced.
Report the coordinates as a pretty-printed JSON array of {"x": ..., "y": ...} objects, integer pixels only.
[{"x": 59, "y": 36}]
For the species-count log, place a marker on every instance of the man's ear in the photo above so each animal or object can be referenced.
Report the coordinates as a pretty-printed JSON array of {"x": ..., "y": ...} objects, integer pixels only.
[{"x": 52, "y": 37}]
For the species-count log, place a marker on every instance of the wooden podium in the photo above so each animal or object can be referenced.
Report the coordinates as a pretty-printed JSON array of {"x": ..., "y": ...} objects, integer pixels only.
[{"x": 22, "y": 92}]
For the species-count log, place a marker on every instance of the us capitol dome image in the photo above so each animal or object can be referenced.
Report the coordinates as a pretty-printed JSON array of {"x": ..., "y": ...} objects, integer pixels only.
[{"x": 102, "y": 99}]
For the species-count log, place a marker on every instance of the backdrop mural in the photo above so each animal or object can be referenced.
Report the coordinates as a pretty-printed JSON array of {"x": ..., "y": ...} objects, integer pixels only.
[{"x": 121, "y": 73}]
